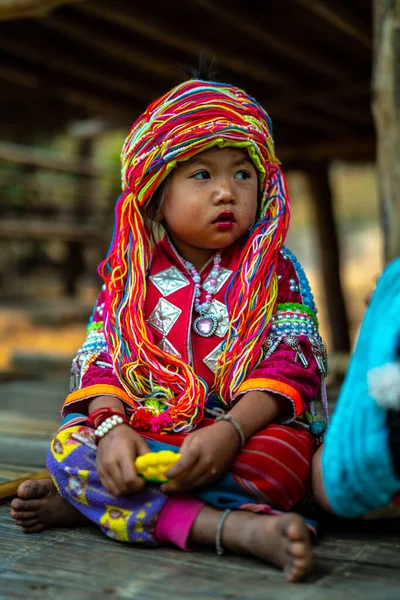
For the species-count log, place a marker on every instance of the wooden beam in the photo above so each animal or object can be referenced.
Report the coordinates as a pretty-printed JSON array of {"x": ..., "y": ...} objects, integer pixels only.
[
  {"x": 109, "y": 45},
  {"x": 112, "y": 46},
  {"x": 68, "y": 89},
  {"x": 300, "y": 153},
  {"x": 348, "y": 148},
  {"x": 303, "y": 118},
  {"x": 358, "y": 115},
  {"x": 18, "y": 77},
  {"x": 353, "y": 149},
  {"x": 24, "y": 155},
  {"x": 321, "y": 194},
  {"x": 386, "y": 109},
  {"x": 341, "y": 18},
  {"x": 116, "y": 12},
  {"x": 23, "y": 9},
  {"x": 330, "y": 101},
  {"x": 74, "y": 263},
  {"x": 117, "y": 111},
  {"x": 17, "y": 229},
  {"x": 313, "y": 123},
  {"x": 154, "y": 31},
  {"x": 265, "y": 37},
  {"x": 319, "y": 96},
  {"x": 58, "y": 62},
  {"x": 291, "y": 116},
  {"x": 277, "y": 108}
]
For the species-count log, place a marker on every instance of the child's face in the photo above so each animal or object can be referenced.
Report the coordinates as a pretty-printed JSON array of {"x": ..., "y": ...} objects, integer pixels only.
[{"x": 210, "y": 202}]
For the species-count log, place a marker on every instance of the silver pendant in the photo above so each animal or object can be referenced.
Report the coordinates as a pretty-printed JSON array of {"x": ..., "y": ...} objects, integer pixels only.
[
  {"x": 293, "y": 343},
  {"x": 205, "y": 325}
]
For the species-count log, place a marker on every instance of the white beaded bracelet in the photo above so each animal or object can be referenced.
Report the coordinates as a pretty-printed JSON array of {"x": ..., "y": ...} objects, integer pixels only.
[{"x": 107, "y": 425}]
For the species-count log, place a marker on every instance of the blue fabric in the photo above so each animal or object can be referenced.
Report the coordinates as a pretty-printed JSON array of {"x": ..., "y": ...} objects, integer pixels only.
[
  {"x": 71, "y": 416},
  {"x": 357, "y": 467}
]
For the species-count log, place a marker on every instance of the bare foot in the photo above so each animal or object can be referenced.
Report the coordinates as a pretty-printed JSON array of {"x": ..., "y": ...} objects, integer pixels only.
[
  {"x": 39, "y": 507},
  {"x": 283, "y": 541}
]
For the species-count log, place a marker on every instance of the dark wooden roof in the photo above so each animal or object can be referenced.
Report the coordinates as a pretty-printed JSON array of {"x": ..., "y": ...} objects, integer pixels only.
[{"x": 307, "y": 61}]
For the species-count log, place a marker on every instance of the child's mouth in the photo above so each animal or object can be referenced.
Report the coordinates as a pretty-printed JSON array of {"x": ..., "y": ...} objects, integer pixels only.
[{"x": 225, "y": 220}]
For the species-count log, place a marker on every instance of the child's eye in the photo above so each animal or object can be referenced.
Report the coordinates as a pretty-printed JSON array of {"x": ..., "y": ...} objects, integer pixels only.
[
  {"x": 242, "y": 175},
  {"x": 201, "y": 175}
]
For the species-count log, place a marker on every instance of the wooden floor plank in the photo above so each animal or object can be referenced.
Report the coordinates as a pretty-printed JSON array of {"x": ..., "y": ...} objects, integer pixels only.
[
  {"x": 361, "y": 564},
  {"x": 354, "y": 561},
  {"x": 19, "y": 425},
  {"x": 24, "y": 440}
]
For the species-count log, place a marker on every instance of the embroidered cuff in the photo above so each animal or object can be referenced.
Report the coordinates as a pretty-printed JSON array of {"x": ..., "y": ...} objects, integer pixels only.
[
  {"x": 276, "y": 387},
  {"x": 96, "y": 390}
]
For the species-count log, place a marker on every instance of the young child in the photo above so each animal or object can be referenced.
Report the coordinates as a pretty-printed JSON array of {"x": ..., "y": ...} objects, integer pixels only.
[
  {"x": 205, "y": 342},
  {"x": 357, "y": 470}
]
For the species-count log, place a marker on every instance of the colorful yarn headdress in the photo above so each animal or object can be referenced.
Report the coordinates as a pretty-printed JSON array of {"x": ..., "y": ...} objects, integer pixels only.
[{"x": 191, "y": 118}]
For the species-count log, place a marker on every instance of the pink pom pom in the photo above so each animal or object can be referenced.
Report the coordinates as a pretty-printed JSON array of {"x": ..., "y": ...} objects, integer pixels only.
[{"x": 161, "y": 422}]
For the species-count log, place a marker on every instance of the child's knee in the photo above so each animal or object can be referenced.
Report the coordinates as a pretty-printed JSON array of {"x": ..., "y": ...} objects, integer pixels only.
[{"x": 69, "y": 454}]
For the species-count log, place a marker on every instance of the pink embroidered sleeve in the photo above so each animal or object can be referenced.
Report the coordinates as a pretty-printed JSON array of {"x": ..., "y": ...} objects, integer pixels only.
[
  {"x": 294, "y": 363},
  {"x": 92, "y": 372}
]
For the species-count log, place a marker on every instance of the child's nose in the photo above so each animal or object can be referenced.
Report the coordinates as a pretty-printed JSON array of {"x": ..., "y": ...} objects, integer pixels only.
[{"x": 224, "y": 192}]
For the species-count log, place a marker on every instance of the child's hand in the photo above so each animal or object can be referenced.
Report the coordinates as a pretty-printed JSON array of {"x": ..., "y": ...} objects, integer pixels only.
[
  {"x": 116, "y": 455},
  {"x": 207, "y": 454}
]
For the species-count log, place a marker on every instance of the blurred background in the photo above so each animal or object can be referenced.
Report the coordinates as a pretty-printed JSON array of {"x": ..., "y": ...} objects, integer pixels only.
[{"x": 74, "y": 76}]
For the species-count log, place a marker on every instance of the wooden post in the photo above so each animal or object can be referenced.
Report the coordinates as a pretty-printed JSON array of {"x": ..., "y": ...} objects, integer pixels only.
[
  {"x": 74, "y": 266},
  {"x": 318, "y": 178},
  {"x": 386, "y": 109}
]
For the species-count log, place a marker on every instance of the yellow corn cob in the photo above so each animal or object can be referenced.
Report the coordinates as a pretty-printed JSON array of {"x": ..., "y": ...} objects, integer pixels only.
[{"x": 154, "y": 465}]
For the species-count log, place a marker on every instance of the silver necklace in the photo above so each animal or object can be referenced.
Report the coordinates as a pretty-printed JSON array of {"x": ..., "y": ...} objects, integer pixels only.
[{"x": 205, "y": 325}]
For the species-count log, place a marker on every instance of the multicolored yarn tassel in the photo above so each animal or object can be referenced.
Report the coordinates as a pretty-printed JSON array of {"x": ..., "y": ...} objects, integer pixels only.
[{"x": 191, "y": 118}]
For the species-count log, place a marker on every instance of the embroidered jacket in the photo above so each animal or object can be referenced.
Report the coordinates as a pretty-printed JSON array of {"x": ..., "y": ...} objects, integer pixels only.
[{"x": 294, "y": 354}]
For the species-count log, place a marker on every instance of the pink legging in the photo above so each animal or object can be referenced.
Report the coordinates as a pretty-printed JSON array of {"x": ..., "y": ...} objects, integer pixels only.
[{"x": 176, "y": 520}]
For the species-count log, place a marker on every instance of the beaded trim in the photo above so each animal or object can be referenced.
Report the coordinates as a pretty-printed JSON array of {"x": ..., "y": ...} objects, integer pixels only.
[
  {"x": 94, "y": 345},
  {"x": 290, "y": 322},
  {"x": 95, "y": 340},
  {"x": 294, "y": 319},
  {"x": 303, "y": 287}
]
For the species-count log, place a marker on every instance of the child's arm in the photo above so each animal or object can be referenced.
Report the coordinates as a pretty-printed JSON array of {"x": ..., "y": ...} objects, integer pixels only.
[
  {"x": 207, "y": 453},
  {"x": 117, "y": 451},
  {"x": 255, "y": 410},
  {"x": 106, "y": 402}
]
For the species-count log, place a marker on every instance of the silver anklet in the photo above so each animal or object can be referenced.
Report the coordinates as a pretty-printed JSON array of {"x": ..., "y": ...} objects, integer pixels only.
[
  {"x": 218, "y": 535},
  {"x": 235, "y": 424}
]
